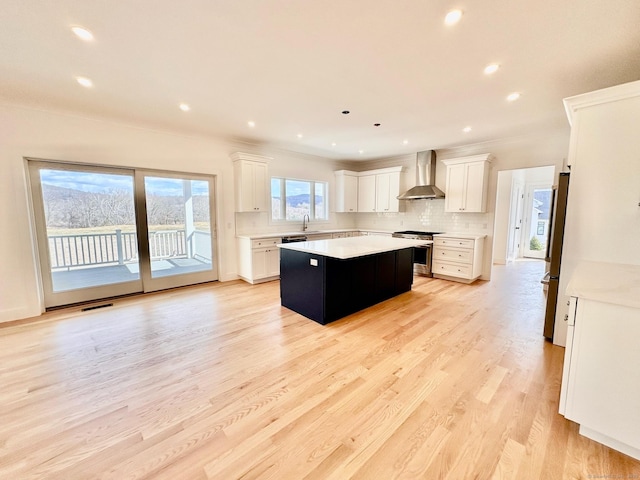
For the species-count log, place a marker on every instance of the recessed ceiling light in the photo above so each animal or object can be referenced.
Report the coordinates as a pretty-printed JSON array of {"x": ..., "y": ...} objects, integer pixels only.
[
  {"x": 185, "y": 107},
  {"x": 82, "y": 33},
  {"x": 466, "y": 129},
  {"x": 333, "y": 144},
  {"x": 512, "y": 97},
  {"x": 405, "y": 142},
  {"x": 360, "y": 152},
  {"x": 251, "y": 123},
  {"x": 299, "y": 135},
  {"x": 491, "y": 68},
  {"x": 84, "y": 81},
  {"x": 453, "y": 17},
  {"x": 345, "y": 112}
]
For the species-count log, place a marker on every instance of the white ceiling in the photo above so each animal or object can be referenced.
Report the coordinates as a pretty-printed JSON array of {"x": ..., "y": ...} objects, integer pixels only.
[{"x": 292, "y": 66}]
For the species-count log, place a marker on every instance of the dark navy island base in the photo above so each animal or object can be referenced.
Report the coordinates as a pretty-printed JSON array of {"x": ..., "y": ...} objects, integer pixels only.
[{"x": 325, "y": 289}]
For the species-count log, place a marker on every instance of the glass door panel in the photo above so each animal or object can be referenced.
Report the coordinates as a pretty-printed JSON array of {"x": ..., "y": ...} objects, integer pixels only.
[
  {"x": 538, "y": 222},
  {"x": 104, "y": 232},
  {"x": 179, "y": 230},
  {"x": 87, "y": 240}
]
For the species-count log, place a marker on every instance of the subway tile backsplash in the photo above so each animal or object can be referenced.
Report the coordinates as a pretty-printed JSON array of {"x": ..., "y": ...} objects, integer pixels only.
[{"x": 427, "y": 215}]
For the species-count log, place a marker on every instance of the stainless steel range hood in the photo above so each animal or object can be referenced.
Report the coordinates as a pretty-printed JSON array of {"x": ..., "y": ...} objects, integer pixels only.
[{"x": 425, "y": 178}]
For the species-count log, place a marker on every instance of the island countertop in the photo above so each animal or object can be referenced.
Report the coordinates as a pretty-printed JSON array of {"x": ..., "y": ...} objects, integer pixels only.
[{"x": 352, "y": 247}]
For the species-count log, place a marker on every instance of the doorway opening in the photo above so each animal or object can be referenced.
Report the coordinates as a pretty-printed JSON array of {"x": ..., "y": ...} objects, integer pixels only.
[
  {"x": 105, "y": 231},
  {"x": 523, "y": 205}
]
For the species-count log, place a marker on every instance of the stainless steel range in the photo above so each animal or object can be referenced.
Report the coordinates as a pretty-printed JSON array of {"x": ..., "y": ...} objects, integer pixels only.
[{"x": 423, "y": 255}]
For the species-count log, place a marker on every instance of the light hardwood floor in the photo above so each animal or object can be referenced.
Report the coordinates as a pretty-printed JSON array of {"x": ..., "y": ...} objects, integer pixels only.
[{"x": 220, "y": 382}]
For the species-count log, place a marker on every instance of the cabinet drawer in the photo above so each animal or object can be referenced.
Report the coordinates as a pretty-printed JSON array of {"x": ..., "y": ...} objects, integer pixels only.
[
  {"x": 452, "y": 269},
  {"x": 453, "y": 242},
  {"x": 265, "y": 242},
  {"x": 453, "y": 255}
]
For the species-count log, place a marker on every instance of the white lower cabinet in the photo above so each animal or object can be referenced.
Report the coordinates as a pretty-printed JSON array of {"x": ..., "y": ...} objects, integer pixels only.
[
  {"x": 259, "y": 259},
  {"x": 601, "y": 379},
  {"x": 457, "y": 258}
]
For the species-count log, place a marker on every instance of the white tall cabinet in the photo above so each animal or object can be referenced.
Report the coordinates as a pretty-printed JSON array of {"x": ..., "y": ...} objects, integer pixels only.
[
  {"x": 603, "y": 208},
  {"x": 466, "y": 184},
  {"x": 250, "y": 182}
]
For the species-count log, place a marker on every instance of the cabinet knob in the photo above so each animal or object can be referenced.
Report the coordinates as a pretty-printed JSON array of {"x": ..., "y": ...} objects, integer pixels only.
[{"x": 566, "y": 317}]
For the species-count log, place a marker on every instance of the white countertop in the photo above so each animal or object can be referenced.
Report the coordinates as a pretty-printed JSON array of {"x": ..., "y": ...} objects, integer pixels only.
[
  {"x": 253, "y": 236},
  {"x": 606, "y": 282},
  {"x": 470, "y": 236},
  {"x": 352, "y": 247}
]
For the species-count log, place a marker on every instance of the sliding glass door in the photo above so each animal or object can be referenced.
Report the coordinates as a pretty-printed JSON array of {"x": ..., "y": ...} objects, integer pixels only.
[
  {"x": 104, "y": 232},
  {"x": 178, "y": 228}
]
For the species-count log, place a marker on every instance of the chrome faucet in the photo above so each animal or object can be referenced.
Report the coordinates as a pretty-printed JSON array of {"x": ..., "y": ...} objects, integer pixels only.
[{"x": 305, "y": 222}]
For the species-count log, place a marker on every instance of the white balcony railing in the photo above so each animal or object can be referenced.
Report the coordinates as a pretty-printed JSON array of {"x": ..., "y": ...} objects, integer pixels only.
[{"x": 66, "y": 251}]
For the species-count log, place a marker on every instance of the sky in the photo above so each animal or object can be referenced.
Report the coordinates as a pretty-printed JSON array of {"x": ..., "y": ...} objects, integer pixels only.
[{"x": 108, "y": 182}]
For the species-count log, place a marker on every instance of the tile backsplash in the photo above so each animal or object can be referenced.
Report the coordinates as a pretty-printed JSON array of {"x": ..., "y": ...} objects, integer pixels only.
[{"x": 427, "y": 215}]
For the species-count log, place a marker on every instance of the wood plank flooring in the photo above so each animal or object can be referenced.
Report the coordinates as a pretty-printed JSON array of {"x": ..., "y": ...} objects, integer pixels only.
[{"x": 448, "y": 381}]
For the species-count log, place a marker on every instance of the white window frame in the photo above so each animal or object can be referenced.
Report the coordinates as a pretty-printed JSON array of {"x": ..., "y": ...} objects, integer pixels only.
[{"x": 312, "y": 206}]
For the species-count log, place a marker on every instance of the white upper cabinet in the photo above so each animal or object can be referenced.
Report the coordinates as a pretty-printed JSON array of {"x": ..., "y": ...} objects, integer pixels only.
[
  {"x": 346, "y": 191},
  {"x": 467, "y": 182},
  {"x": 251, "y": 182},
  {"x": 367, "y": 193},
  {"x": 378, "y": 190}
]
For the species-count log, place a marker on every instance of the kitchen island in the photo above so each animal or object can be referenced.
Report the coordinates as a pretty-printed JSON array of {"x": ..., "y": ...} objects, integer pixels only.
[{"x": 325, "y": 280}]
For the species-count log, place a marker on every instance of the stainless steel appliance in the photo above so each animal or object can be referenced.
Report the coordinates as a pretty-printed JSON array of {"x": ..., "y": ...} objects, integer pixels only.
[
  {"x": 294, "y": 238},
  {"x": 425, "y": 178},
  {"x": 554, "y": 250},
  {"x": 423, "y": 255}
]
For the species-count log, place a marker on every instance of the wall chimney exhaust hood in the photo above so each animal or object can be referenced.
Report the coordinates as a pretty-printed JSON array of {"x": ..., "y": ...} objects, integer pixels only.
[{"x": 425, "y": 178}]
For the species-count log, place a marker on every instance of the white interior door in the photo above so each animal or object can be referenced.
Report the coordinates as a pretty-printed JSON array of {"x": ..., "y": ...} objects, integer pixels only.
[{"x": 515, "y": 222}]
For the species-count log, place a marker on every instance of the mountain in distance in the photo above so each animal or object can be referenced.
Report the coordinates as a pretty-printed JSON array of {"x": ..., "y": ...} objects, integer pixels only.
[{"x": 302, "y": 199}]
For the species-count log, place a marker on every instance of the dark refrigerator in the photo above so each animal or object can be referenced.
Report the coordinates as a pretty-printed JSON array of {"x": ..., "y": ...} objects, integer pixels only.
[{"x": 554, "y": 250}]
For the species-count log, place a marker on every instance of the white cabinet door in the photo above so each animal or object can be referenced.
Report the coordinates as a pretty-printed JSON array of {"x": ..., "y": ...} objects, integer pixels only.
[
  {"x": 475, "y": 187},
  {"x": 603, "y": 387},
  {"x": 367, "y": 193},
  {"x": 260, "y": 188},
  {"x": 571, "y": 318},
  {"x": 258, "y": 263},
  {"x": 251, "y": 186},
  {"x": 382, "y": 192},
  {"x": 273, "y": 262},
  {"x": 466, "y": 185},
  {"x": 346, "y": 192},
  {"x": 387, "y": 191},
  {"x": 259, "y": 259},
  {"x": 378, "y": 193},
  {"x": 454, "y": 200}
]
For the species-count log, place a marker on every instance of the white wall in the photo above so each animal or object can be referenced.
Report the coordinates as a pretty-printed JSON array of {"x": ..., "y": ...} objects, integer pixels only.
[
  {"x": 603, "y": 209},
  {"x": 28, "y": 132}
]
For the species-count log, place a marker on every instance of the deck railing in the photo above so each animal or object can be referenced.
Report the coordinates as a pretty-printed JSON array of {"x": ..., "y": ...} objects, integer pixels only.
[{"x": 119, "y": 247}]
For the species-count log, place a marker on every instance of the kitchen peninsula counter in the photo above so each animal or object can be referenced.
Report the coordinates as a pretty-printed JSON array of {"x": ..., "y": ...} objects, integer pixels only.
[{"x": 325, "y": 280}]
